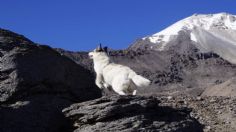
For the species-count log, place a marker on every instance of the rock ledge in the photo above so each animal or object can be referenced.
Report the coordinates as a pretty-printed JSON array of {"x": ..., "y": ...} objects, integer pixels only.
[{"x": 129, "y": 113}]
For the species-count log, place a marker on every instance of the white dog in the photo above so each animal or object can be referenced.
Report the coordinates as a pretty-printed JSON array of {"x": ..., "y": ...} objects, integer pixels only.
[{"x": 121, "y": 78}]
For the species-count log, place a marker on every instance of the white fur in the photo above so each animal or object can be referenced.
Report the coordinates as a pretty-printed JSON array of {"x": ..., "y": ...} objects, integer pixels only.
[{"x": 121, "y": 78}]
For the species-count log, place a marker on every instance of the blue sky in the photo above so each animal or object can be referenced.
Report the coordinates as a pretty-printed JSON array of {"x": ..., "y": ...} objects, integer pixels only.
[{"x": 81, "y": 24}]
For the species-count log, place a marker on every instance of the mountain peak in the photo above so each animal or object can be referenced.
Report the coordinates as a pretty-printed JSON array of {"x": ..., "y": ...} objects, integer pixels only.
[
  {"x": 208, "y": 32},
  {"x": 220, "y": 21}
]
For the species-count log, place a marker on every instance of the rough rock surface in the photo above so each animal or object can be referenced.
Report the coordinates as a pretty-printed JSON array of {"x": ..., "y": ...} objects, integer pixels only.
[
  {"x": 217, "y": 114},
  {"x": 130, "y": 114},
  {"x": 36, "y": 83},
  {"x": 26, "y": 66},
  {"x": 227, "y": 89}
]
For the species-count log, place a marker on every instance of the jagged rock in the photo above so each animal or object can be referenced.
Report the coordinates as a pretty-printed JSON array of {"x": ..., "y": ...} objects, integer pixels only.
[
  {"x": 129, "y": 114},
  {"x": 27, "y": 69},
  {"x": 36, "y": 83}
]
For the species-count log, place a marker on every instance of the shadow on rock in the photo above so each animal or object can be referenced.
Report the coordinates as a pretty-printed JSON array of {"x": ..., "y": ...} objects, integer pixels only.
[{"x": 35, "y": 115}]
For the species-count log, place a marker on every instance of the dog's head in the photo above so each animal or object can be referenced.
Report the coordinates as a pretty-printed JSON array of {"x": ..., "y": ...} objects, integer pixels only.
[{"x": 98, "y": 52}]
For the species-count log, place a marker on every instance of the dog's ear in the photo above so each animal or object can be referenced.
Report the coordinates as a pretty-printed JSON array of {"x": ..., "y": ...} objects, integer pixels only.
[{"x": 99, "y": 48}]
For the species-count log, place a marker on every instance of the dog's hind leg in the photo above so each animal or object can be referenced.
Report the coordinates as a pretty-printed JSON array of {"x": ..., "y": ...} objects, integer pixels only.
[
  {"x": 132, "y": 88},
  {"x": 119, "y": 89}
]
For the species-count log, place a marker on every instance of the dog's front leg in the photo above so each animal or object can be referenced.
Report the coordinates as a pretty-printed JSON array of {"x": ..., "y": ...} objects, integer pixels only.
[{"x": 99, "y": 81}]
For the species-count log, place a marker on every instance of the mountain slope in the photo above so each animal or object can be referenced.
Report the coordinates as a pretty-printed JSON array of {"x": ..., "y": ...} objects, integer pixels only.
[
  {"x": 210, "y": 33},
  {"x": 180, "y": 70}
]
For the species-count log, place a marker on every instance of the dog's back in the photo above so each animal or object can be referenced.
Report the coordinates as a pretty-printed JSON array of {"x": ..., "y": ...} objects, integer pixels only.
[
  {"x": 122, "y": 78},
  {"x": 113, "y": 70}
]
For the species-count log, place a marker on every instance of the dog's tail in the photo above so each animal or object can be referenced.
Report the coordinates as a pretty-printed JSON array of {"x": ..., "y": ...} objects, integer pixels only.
[{"x": 140, "y": 81}]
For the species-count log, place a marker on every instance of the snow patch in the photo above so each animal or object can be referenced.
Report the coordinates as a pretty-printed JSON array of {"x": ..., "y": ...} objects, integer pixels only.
[{"x": 193, "y": 37}]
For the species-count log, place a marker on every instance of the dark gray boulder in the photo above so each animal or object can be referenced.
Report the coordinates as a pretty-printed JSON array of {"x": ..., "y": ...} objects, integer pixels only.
[
  {"x": 36, "y": 83},
  {"x": 130, "y": 114}
]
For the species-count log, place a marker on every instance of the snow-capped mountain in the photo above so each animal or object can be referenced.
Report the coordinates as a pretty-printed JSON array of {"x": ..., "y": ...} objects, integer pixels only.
[{"x": 210, "y": 33}]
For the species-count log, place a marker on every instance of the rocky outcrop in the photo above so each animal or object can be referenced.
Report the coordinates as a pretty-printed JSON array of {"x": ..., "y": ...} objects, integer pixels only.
[
  {"x": 36, "y": 83},
  {"x": 130, "y": 114}
]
